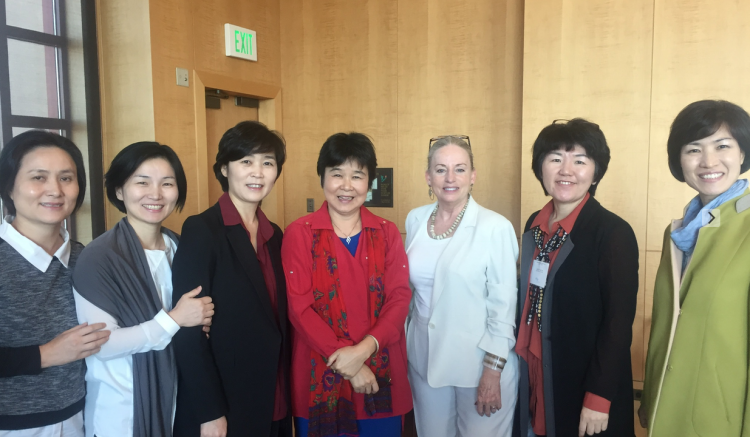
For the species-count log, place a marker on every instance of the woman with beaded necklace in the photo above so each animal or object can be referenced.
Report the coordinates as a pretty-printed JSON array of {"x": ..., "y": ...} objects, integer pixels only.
[{"x": 460, "y": 338}]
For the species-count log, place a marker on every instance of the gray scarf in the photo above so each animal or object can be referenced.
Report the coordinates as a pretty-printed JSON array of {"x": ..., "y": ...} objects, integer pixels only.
[{"x": 113, "y": 273}]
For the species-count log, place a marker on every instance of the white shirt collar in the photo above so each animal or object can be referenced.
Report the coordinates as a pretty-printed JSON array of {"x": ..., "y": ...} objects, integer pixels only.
[{"x": 34, "y": 254}]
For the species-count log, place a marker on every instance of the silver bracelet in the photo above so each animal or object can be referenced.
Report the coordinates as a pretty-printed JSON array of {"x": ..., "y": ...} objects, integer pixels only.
[{"x": 493, "y": 362}]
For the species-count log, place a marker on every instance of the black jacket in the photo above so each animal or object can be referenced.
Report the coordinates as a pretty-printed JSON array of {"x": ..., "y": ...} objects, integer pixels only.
[
  {"x": 587, "y": 316},
  {"x": 233, "y": 373}
]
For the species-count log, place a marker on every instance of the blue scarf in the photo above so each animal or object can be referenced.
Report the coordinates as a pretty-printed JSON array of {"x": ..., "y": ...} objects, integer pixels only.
[{"x": 686, "y": 236}]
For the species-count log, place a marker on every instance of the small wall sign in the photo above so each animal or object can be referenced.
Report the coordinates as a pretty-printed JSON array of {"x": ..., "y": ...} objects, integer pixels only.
[
  {"x": 240, "y": 42},
  {"x": 381, "y": 191}
]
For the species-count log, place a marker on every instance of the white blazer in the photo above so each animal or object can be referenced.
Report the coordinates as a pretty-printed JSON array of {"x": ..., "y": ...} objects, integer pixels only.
[{"x": 473, "y": 305}]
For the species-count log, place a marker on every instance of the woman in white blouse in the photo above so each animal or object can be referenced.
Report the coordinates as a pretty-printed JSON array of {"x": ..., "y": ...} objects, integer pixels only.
[
  {"x": 124, "y": 279},
  {"x": 462, "y": 269}
]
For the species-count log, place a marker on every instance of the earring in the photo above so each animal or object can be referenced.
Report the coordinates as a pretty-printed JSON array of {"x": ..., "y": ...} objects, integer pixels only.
[
  {"x": 429, "y": 193},
  {"x": 471, "y": 189}
]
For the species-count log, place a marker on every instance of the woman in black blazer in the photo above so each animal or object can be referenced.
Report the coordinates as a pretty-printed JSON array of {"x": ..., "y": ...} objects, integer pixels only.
[
  {"x": 235, "y": 381},
  {"x": 577, "y": 299}
]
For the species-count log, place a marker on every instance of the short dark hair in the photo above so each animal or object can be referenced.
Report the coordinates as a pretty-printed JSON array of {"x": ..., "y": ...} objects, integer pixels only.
[
  {"x": 248, "y": 138},
  {"x": 342, "y": 147},
  {"x": 130, "y": 158},
  {"x": 702, "y": 119},
  {"x": 566, "y": 136},
  {"x": 20, "y": 146}
]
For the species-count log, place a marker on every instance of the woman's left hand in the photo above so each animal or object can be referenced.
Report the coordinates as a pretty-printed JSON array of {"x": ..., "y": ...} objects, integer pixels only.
[
  {"x": 348, "y": 360},
  {"x": 488, "y": 393},
  {"x": 592, "y": 422}
]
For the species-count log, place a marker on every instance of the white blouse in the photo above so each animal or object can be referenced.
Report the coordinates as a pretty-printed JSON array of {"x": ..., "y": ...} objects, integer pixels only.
[
  {"x": 423, "y": 259},
  {"x": 109, "y": 374}
]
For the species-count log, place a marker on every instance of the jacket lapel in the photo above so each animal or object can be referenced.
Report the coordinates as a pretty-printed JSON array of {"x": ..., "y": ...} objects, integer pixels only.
[
  {"x": 527, "y": 257},
  {"x": 278, "y": 271},
  {"x": 562, "y": 254},
  {"x": 243, "y": 248},
  {"x": 676, "y": 256}
]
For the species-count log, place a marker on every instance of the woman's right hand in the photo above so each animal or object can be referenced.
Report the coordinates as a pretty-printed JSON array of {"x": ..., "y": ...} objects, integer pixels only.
[
  {"x": 643, "y": 416},
  {"x": 214, "y": 428},
  {"x": 193, "y": 311},
  {"x": 364, "y": 381},
  {"x": 73, "y": 345}
]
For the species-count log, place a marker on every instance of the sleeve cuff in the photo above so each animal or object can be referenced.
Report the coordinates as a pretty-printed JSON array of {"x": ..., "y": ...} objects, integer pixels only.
[
  {"x": 496, "y": 346},
  {"x": 596, "y": 403},
  {"x": 383, "y": 333},
  {"x": 377, "y": 344},
  {"x": 165, "y": 321}
]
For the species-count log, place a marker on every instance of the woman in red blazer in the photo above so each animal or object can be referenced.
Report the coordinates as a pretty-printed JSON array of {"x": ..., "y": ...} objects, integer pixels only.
[{"x": 348, "y": 290}]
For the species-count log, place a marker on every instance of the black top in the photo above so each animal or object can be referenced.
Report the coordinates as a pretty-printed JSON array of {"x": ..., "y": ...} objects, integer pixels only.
[
  {"x": 233, "y": 373},
  {"x": 588, "y": 311}
]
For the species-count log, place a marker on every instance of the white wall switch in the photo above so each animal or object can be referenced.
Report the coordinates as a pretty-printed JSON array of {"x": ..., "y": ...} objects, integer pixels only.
[{"x": 182, "y": 77}]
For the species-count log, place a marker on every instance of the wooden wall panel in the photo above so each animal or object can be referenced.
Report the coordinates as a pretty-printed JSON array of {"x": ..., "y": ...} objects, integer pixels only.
[
  {"x": 172, "y": 46},
  {"x": 699, "y": 53},
  {"x": 403, "y": 72},
  {"x": 190, "y": 35},
  {"x": 460, "y": 72},
  {"x": 591, "y": 61},
  {"x": 594, "y": 61},
  {"x": 125, "y": 79},
  {"x": 339, "y": 66},
  {"x": 262, "y": 16}
]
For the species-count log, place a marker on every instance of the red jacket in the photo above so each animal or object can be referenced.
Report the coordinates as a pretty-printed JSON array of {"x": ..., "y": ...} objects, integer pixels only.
[{"x": 312, "y": 332}]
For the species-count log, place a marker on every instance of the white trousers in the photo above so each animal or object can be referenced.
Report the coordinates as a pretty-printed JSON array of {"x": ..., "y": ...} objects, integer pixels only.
[
  {"x": 450, "y": 411},
  {"x": 72, "y": 427}
]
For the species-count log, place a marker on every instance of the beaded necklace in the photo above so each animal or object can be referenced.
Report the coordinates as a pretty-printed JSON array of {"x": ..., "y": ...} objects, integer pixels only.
[{"x": 453, "y": 227}]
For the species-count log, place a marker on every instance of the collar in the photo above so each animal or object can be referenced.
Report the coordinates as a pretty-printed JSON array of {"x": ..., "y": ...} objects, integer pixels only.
[
  {"x": 321, "y": 219},
  {"x": 231, "y": 217},
  {"x": 34, "y": 254},
  {"x": 743, "y": 203},
  {"x": 542, "y": 219}
]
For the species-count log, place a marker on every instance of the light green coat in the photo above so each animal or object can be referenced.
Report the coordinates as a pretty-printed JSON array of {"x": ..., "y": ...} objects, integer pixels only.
[{"x": 697, "y": 364}]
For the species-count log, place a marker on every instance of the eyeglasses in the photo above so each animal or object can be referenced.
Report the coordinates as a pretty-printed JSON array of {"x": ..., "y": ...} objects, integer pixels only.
[{"x": 460, "y": 137}]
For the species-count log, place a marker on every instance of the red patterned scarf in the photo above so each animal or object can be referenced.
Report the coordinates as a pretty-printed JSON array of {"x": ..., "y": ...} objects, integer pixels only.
[{"x": 332, "y": 411}]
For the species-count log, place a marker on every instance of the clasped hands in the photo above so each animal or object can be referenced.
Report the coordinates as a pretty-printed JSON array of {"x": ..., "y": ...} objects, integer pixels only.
[{"x": 349, "y": 363}]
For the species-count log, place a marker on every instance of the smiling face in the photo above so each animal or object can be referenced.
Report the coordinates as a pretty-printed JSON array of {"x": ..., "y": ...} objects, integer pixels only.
[
  {"x": 251, "y": 178},
  {"x": 345, "y": 187},
  {"x": 711, "y": 165},
  {"x": 568, "y": 175},
  {"x": 450, "y": 174},
  {"x": 45, "y": 190},
  {"x": 150, "y": 193}
]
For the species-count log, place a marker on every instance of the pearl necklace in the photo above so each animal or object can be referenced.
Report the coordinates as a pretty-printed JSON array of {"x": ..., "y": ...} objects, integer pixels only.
[{"x": 453, "y": 227}]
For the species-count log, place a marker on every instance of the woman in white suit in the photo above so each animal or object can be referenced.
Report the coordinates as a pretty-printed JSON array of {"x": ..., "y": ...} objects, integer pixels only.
[{"x": 460, "y": 334}]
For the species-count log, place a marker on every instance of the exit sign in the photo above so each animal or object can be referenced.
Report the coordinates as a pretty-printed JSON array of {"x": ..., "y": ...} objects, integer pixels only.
[{"x": 240, "y": 42}]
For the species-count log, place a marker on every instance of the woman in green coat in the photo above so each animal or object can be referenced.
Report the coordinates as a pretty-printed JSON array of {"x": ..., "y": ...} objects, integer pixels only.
[{"x": 697, "y": 366}]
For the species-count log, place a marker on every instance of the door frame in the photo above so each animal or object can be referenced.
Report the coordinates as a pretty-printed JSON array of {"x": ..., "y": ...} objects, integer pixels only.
[{"x": 269, "y": 113}]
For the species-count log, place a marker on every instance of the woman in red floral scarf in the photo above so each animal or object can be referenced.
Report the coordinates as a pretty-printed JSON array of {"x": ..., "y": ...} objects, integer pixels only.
[{"x": 348, "y": 284}]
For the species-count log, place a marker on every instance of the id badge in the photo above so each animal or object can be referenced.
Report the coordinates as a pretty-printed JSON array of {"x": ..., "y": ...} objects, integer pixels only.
[{"x": 539, "y": 272}]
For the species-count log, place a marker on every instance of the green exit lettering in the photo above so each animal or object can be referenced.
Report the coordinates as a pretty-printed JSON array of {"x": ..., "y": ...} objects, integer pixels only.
[{"x": 243, "y": 42}]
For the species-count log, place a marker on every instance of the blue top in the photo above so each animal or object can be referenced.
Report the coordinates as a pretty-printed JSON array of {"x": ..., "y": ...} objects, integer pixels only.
[{"x": 352, "y": 245}]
